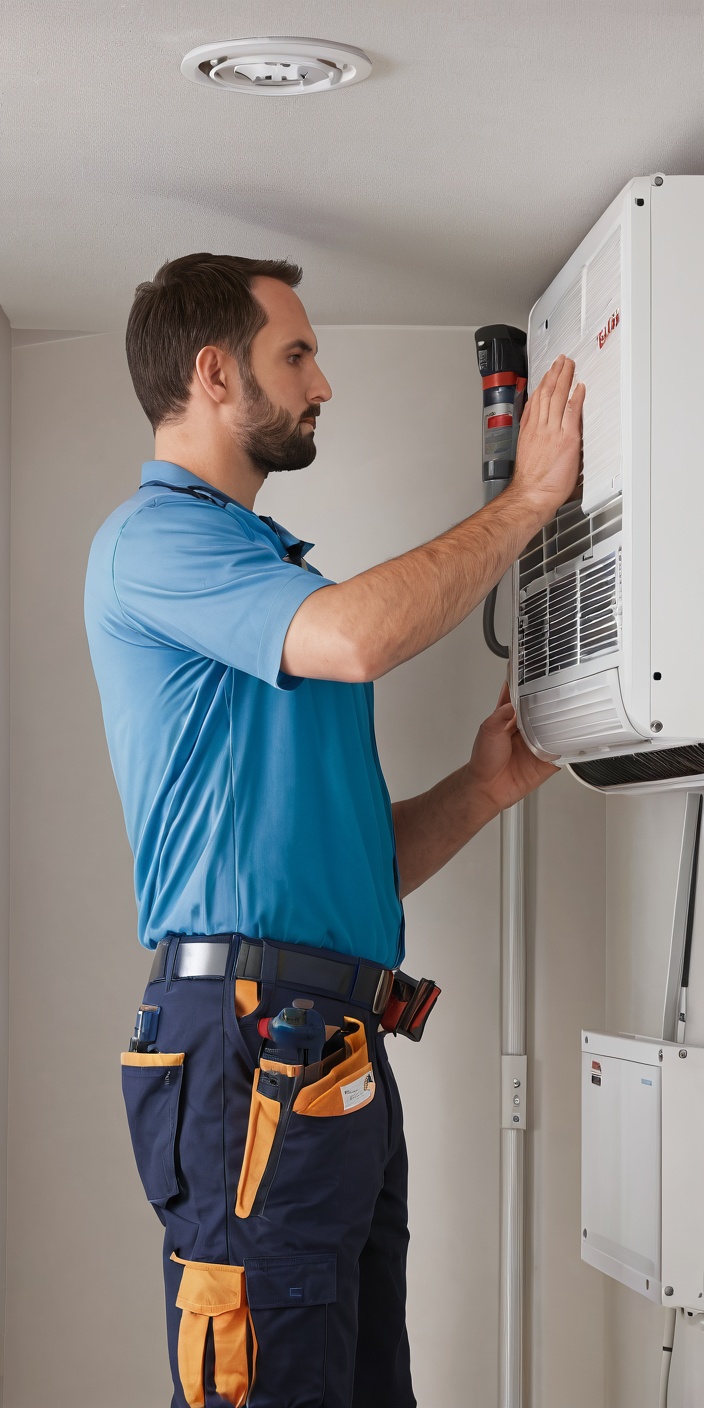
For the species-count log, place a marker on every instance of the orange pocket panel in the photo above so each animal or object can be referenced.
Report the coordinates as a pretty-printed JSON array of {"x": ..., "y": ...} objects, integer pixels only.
[
  {"x": 152, "y": 1058},
  {"x": 263, "y": 1122},
  {"x": 347, "y": 1087},
  {"x": 216, "y": 1293},
  {"x": 246, "y": 997}
]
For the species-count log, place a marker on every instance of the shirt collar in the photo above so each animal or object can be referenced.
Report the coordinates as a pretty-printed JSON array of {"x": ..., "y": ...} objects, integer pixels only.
[{"x": 175, "y": 474}]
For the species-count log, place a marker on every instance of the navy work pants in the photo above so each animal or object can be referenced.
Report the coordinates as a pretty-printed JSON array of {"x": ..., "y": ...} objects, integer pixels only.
[{"x": 300, "y": 1304}]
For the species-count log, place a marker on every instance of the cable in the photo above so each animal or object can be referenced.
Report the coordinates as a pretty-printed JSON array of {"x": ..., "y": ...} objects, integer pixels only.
[
  {"x": 668, "y": 1340},
  {"x": 689, "y": 931},
  {"x": 488, "y": 625}
]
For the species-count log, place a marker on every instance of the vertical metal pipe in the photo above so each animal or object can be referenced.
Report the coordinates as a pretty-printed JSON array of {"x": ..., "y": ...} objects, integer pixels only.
[{"x": 513, "y": 1037}]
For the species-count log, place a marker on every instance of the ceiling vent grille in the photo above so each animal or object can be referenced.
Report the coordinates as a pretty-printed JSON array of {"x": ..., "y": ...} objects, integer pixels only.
[
  {"x": 573, "y": 619},
  {"x": 284, "y": 67}
]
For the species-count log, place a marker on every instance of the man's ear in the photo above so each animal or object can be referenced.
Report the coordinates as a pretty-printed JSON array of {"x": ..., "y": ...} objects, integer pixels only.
[{"x": 217, "y": 373}]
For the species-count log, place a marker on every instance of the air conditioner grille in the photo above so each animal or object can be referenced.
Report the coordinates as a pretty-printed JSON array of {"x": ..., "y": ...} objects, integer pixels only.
[
  {"x": 658, "y": 766},
  {"x": 575, "y": 618},
  {"x": 568, "y": 535}
]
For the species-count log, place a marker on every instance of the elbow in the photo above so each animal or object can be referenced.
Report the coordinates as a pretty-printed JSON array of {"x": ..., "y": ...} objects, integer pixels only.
[{"x": 357, "y": 660}]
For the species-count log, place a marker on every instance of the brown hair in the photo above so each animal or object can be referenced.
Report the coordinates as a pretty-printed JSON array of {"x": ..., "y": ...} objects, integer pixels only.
[{"x": 192, "y": 302}]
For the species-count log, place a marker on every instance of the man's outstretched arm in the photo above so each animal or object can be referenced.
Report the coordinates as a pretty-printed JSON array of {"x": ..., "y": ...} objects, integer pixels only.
[
  {"x": 432, "y": 828},
  {"x": 360, "y": 629}
]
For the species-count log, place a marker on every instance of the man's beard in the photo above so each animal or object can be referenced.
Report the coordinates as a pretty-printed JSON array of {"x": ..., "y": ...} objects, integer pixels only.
[{"x": 271, "y": 438}]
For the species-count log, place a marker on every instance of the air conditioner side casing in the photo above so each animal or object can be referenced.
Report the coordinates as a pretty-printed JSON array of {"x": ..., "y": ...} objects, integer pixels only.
[{"x": 606, "y": 650}]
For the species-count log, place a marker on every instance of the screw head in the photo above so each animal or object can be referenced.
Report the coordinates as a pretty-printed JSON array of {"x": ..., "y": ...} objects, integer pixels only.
[
  {"x": 656, "y": 726},
  {"x": 516, "y": 1084},
  {"x": 669, "y": 1291},
  {"x": 584, "y": 1233},
  {"x": 682, "y": 1055},
  {"x": 658, "y": 181},
  {"x": 516, "y": 1119}
]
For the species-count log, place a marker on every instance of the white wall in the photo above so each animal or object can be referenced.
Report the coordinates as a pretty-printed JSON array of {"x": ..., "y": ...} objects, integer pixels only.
[
  {"x": 398, "y": 462},
  {"x": 5, "y": 411},
  {"x": 643, "y": 844}
]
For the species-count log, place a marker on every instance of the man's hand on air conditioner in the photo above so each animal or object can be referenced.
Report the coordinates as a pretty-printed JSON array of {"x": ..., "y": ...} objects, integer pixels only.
[{"x": 550, "y": 442}]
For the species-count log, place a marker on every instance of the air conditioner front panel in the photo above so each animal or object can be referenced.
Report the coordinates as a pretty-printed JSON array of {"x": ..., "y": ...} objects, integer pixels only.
[
  {"x": 585, "y": 321},
  {"x": 584, "y": 717}
]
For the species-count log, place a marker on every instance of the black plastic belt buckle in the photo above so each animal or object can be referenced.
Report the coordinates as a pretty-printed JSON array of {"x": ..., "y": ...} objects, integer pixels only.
[{"x": 409, "y": 1006}]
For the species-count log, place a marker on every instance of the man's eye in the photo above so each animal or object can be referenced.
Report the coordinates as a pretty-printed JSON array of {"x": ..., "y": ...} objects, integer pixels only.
[{"x": 295, "y": 357}]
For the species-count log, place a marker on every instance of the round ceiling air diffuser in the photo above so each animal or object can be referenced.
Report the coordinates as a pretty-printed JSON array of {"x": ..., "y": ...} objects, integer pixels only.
[{"x": 281, "y": 66}]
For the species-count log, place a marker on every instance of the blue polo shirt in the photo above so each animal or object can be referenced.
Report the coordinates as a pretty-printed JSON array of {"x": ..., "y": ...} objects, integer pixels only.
[{"x": 254, "y": 802}]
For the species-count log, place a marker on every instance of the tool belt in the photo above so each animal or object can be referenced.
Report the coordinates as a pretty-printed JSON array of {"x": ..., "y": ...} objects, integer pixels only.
[{"x": 402, "y": 1004}]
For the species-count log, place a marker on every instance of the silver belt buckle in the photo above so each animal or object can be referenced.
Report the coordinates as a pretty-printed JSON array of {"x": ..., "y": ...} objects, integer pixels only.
[{"x": 383, "y": 991}]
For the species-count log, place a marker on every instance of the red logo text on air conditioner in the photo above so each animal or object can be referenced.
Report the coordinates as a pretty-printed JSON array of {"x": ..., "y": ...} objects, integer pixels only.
[{"x": 613, "y": 322}]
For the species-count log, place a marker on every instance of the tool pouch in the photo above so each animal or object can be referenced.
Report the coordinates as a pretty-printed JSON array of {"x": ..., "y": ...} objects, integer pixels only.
[
  {"x": 279, "y": 1092},
  {"x": 409, "y": 1006},
  {"x": 212, "y": 1295},
  {"x": 273, "y": 1094}
]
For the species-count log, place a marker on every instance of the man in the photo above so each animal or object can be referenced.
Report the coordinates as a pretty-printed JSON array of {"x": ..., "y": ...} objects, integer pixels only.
[{"x": 270, "y": 866}]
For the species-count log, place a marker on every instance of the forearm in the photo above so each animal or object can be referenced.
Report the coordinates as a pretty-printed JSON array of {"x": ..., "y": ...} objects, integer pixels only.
[
  {"x": 392, "y": 612},
  {"x": 362, "y": 628},
  {"x": 431, "y": 828}
]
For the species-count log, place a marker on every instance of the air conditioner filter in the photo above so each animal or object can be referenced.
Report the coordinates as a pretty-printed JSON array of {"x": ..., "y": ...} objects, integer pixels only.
[{"x": 662, "y": 765}]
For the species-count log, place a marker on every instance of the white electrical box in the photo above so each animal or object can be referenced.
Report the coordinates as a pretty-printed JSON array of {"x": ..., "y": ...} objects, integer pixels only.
[{"x": 643, "y": 1165}]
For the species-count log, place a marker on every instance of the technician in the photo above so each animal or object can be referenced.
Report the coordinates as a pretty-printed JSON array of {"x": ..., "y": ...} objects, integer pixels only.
[{"x": 270, "y": 865}]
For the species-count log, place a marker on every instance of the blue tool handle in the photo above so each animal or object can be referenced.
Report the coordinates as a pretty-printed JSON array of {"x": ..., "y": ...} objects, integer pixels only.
[{"x": 296, "y": 1036}]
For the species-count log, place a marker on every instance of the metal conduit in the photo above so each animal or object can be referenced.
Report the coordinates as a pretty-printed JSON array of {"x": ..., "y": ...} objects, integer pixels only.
[{"x": 513, "y": 1043}]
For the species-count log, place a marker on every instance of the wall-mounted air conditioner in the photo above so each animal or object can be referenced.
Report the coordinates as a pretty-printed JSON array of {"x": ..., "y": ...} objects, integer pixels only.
[{"x": 608, "y": 641}]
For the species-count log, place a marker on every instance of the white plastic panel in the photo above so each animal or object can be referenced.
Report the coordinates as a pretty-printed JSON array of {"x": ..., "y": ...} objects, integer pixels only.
[
  {"x": 570, "y": 719},
  {"x": 677, "y": 526},
  {"x": 621, "y": 1192},
  {"x": 585, "y": 322},
  {"x": 643, "y": 1165},
  {"x": 683, "y": 1177}
]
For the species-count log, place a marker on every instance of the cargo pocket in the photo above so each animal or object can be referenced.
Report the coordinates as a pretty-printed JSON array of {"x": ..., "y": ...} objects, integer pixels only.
[
  {"x": 214, "y": 1295},
  {"x": 151, "y": 1085},
  {"x": 288, "y": 1298},
  {"x": 348, "y": 1086}
]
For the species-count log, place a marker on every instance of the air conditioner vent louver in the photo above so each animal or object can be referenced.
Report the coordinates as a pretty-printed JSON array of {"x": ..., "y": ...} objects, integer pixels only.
[
  {"x": 619, "y": 771},
  {"x": 566, "y": 719},
  {"x": 574, "y": 618}
]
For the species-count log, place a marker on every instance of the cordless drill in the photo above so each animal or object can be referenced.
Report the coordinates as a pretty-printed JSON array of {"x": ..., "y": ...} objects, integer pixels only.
[{"x": 503, "y": 364}]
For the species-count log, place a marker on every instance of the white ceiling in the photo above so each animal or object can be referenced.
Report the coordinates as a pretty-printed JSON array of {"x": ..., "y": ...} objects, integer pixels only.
[{"x": 448, "y": 188}]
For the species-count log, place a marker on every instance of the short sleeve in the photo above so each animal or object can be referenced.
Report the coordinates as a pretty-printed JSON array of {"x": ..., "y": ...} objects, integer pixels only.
[{"x": 197, "y": 576}]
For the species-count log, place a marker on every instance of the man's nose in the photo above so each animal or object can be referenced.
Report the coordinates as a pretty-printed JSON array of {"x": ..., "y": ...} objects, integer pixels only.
[{"x": 320, "y": 389}]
